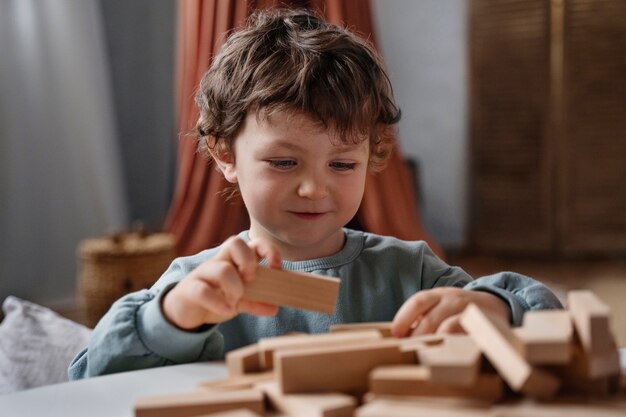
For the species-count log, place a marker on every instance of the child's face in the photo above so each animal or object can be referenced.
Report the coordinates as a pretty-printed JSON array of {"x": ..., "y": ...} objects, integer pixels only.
[{"x": 300, "y": 188}]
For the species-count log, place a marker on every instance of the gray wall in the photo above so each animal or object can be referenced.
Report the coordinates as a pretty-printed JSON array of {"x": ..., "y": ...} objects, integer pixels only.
[{"x": 424, "y": 46}]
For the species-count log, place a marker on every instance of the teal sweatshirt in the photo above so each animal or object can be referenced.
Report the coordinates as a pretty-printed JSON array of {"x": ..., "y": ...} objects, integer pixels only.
[{"x": 377, "y": 273}]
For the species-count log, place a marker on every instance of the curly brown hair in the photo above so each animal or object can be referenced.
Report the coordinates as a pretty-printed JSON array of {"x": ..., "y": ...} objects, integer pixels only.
[{"x": 292, "y": 60}]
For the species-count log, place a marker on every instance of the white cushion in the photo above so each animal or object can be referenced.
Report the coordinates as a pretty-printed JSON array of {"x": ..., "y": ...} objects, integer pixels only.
[{"x": 36, "y": 345}]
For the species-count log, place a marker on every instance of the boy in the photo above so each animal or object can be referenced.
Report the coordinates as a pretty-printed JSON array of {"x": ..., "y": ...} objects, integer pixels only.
[{"x": 294, "y": 111}]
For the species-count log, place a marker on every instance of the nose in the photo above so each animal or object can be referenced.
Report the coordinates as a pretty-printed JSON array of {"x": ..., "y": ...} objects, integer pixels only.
[{"x": 313, "y": 187}]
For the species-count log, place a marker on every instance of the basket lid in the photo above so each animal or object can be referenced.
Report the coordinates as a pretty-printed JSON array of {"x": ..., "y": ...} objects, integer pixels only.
[{"x": 126, "y": 244}]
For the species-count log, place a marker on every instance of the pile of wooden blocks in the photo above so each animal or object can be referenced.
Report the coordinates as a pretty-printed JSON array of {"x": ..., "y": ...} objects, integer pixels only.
[{"x": 559, "y": 362}]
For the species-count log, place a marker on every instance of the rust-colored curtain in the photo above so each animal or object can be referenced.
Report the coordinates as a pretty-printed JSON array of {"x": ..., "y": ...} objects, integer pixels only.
[{"x": 199, "y": 216}]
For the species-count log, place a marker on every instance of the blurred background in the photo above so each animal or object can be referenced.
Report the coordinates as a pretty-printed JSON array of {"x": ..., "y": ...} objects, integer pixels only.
[{"x": 513, "y": 126}]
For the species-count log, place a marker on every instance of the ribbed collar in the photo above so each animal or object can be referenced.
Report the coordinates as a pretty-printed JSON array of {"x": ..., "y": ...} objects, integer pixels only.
[{"x": 350, "y": 251}]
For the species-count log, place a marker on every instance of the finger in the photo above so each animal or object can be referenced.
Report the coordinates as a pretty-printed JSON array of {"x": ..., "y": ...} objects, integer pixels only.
[
  {"x": 264, "y": 249},
  {"x": 225, "y": 279},
  {"x": 237, "y": 252},
  {"x": 417, "y": 305},
  {"x": 257, "y": 308},
  {"x": 435, "y": 316},
  {"x": 451, "y": 325},
  {"x": 212, "y": 300}
]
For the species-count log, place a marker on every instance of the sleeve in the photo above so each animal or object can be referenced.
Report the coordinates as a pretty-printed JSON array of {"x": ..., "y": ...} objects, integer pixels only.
[
  {"x": 520, "y": 292},
  {"x": 134, "y": 334},
  {"x": 436, "y": 273}
]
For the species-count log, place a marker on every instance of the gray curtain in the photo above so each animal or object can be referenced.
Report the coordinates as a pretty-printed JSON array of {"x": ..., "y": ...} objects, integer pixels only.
[{"x": 60, "y": 173}]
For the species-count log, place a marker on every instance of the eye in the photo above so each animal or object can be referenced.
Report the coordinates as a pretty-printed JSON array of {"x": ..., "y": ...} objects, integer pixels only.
[
  {"x": 342, "y": 166},
  {"x": 283, "y": 164}
]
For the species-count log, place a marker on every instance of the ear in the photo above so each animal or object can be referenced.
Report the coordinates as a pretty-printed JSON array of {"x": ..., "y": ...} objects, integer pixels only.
[{"x": 225, "y": 160}]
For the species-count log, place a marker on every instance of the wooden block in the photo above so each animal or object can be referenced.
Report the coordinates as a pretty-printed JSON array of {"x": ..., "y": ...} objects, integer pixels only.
[
  {"x": 560, "y": 408},
  {"x": 396, "y": 408},
  {"x": 591, "y": 319},
  {"x": 196, "y": 403},
  {"x": 465, "y": 402},
  {"x": 415, "y": 380},
  {"x": 498, "y": 342},
  {"x": 411, "y": 345},
  {"x": 546, "y": 337},
  {"x": 384, "y": 327},
  {"x": 237, "y": 382},
  {"x": 244, "y": 360},
  {"x": 309, "y": 405},
  {"x": 334, "y": 368},
  {"x": 589, "y": 388},
  {"x": 591, "y": 322},
  {"x": 428, "y": 340},
  {"x": 416, "y": 343},
  {"x": 234, "y": 413},
  {"x": 294, "y": 289},
  {"x": 268, "y": 346},
  {"x": 577, "y": 375},
  {"x": 455, "y": 362},
  {"x": 603, "y": 364}
]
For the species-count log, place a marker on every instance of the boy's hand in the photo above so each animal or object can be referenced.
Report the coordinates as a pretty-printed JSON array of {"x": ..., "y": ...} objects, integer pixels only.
[
  {"x": 439, "y": 310},
  {"x": 212, "y": 292}
]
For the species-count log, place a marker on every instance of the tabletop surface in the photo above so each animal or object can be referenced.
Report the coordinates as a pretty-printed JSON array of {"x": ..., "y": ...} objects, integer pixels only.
[
  {"x": 109, "y": 395},
  {"x": 114, "y": 395}
]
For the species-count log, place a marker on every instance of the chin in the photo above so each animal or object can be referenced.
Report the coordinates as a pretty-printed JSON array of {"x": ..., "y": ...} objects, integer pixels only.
[{"x": 306, "y": 238}]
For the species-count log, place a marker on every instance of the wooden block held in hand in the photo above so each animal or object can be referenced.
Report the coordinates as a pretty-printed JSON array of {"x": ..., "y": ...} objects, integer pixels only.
[
  {"x": 500, "y": 345},
  {"x": 546, "y": 337},
  {"x": 268, "y": 346},
  {"x": 415, "y": 380},
  {"x": 293, "y": 289},
  {"x": 309, "y": 405},
  {"x": 334, "y": 369},
  {"x": 195, "y": 403},
  {"x": 384, "y": 327}
]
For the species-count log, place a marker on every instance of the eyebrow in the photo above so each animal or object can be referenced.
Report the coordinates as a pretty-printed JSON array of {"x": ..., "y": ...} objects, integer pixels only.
[
  {"x": 346, "y": 148},
  {"x": 285, "y": 144},
  {"x": 294, "y": 147}
]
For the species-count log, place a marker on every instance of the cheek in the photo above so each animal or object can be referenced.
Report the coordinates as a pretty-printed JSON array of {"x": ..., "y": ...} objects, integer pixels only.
[
  {"x": 259, "y": 191},
  {"x": 350, "y": 190},
  {"x": 255, "y": 197}
]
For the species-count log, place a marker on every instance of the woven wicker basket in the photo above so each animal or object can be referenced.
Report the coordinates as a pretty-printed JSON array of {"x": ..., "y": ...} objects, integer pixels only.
[{"x": 115, "y": 265}]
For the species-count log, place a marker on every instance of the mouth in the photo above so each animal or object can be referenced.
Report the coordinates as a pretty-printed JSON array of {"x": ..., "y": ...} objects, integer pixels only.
[{"x": 307, "y": 215}]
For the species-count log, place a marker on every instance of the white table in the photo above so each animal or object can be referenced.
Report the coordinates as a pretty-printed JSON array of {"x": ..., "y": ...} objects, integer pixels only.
[
  {"x": 109, "y": 395},
  {"x": 114, "y": 395}
]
